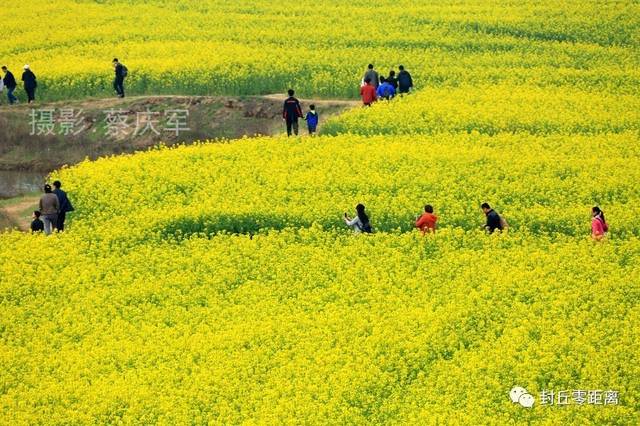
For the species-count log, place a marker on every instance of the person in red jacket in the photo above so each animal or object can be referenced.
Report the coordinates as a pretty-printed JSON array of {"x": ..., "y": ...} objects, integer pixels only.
[
  {"x": 368, "y": 92},
  {"x": 427, "y": 222}
]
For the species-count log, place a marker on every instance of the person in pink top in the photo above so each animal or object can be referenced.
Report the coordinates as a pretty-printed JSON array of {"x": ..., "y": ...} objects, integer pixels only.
[{"x": 599, "y": 226}]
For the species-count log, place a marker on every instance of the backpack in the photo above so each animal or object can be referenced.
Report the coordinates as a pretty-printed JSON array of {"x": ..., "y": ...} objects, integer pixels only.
[
  {"x": 125, "y": 71},
  {"x": 504, "y": 224}
]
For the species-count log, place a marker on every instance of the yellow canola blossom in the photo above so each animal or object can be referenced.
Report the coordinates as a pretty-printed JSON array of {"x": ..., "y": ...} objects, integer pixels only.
[
  {"x": 494, "y": 109},
  {"x": 318, "y": 327},
  {"x": 218, "y": 284},
  {"x": 543, "y": 185},
  {"x": 157, "y": 307},
  {"x": 259, "y": 46}
]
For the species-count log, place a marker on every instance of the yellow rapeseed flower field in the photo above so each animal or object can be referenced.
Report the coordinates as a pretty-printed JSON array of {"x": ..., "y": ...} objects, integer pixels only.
[
  {"x": 217, "y": 283},
  {"x": 262, "y": 46}
]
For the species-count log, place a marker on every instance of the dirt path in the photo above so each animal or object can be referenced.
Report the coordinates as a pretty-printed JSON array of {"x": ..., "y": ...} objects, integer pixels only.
[
  {"x": 28, "y": 143},
  {"x": 101, "y": 103},
  {"x": 344, "y": 102},
  {"x": 18, "y": 213},
  {"x": 210, "y": 118}
]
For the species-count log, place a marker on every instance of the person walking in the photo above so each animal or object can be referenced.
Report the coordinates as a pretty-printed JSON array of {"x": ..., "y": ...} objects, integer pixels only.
[
  {"x": 121, "y": 72},
  {"x": 385, "y": 90},
  {"x": 360, "y": 223},
  {"x": 10, "y": 83},
  {"x": 64, "y": 203},
  {"x": 49, "y": 208},
  {"x": 393, "y": 80},
  {"x": 494, "y": 221},
  {"x": 368, "y": 92},
  {"x": 30, "y": 83},
  {"x": 312, "y": 120},
  {"x": 372, "y": 75},
  {"x": 599, "y": 226},
  {"x": 427, "y": 221},
  {"x": 405, "y": 82},
  {"x": 291, "y": 112}
]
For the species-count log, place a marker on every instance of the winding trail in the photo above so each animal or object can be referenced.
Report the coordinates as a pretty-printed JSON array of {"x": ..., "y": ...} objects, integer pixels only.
[
  {"x": 19, "y": 213},
  {"x": 219, "y": 113}
]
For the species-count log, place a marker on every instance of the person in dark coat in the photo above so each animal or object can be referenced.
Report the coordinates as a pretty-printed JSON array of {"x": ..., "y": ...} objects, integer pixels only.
[
  {"x": 30, "y": 84},
  {"x": 10, "y": 83},
  {"x": 118, "y": 83},
  {"x": 405, "y": 82},
  {"x": 493, "y": 219},
  {"x": 392, "y": 80},
  {"x": 65, "y": 205},
  {"x": 291, "y": 112},
  {"x": 37, "y": 225}
]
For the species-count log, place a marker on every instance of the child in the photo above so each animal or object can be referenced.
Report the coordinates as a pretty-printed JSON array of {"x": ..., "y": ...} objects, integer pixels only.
[
  {"x": 37, "y": 225},
  {"x": 427, "y": 222},
  {"x": 312, "y": 120}
]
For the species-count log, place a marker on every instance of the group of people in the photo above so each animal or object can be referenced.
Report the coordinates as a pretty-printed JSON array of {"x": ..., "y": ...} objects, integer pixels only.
[
  {"x": 374, "y": 87},
  {"x": 427, "y": 221},
  {"x": 54, "y": 206},
  {"x": 9, "y": 83},
  {"x": 292, "y": 111}
]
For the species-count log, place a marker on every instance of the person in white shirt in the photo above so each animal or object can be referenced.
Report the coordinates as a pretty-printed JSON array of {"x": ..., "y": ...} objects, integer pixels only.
[{"x": 360, "y": 223}]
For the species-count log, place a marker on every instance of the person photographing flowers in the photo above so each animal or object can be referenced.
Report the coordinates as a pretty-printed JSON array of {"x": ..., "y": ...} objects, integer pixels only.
[{"x": 360, "y": 223}]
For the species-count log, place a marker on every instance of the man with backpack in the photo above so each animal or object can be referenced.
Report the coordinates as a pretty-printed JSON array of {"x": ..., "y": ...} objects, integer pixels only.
[
  {"x": 121, "y": 73},
  {"x": 494, "y": 221}
]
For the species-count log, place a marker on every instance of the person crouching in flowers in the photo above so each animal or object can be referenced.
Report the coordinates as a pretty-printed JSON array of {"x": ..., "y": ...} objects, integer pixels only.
[
  {"x": 599, "y": 226},
  {"x": 427, "y": 221},
  {"x": 360, "y": 223}
]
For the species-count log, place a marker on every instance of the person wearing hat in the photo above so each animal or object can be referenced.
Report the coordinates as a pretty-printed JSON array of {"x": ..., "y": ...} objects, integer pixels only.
[
  {"x": 30, "y": 84},
  {"x": 49, "y": 207},
  {"x": 10, "y": 83}
]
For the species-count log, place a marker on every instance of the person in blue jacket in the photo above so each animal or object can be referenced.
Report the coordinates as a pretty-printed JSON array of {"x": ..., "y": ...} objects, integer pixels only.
[
  {"x": 385, "y": 90},
  {"x": 312, "y": 120}
]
